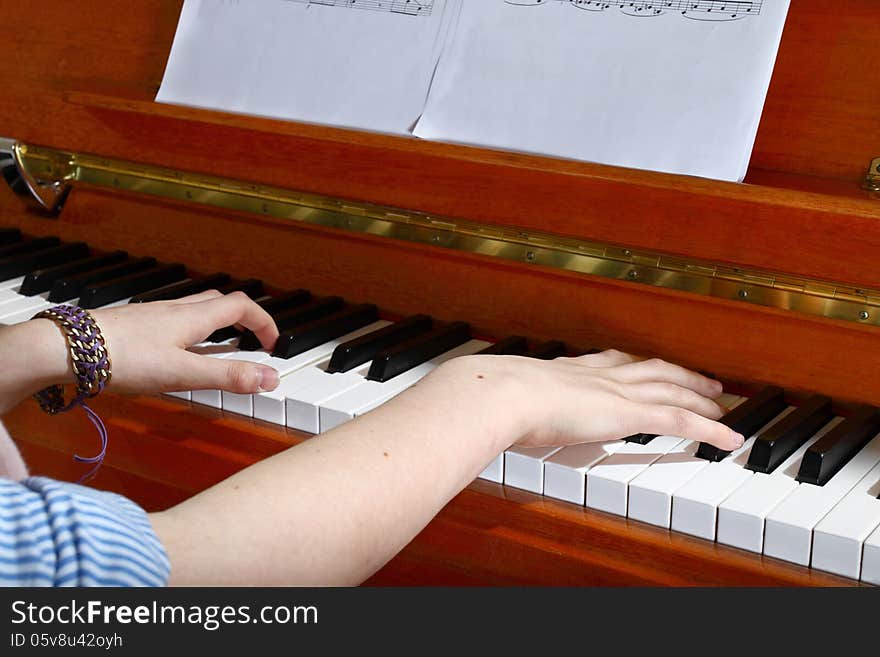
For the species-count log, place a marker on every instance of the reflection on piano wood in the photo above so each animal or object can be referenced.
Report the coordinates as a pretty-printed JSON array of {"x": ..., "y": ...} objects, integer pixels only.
[{"x": 804, "y": 487}]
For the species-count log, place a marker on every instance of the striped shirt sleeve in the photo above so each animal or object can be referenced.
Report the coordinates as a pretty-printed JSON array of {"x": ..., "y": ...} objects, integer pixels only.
[{"x": 59, "y": 534}]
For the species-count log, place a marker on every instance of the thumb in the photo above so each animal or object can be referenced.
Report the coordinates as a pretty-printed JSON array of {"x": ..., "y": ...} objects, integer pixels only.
[{"x": 205, "y": 373}]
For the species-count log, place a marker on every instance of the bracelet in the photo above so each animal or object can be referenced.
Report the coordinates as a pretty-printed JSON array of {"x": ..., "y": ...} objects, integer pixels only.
[{"x": 91, "y": 367}]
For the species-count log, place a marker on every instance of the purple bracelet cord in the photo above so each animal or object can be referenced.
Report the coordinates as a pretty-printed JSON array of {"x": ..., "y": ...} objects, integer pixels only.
[{"x": 91, "y": 367}]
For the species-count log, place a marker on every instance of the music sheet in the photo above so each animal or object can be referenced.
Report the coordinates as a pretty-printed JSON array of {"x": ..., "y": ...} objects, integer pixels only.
[
  {"x": 353, "y": 63},
  {"x": 667, "y": 85}
]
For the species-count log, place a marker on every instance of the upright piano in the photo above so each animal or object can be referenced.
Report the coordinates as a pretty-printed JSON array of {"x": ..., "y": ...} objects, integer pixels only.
[{"x": 771, "y": 285}]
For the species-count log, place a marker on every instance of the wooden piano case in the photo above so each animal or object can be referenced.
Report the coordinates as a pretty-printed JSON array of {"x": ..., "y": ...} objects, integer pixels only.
[{"x": 774, "y": 280}]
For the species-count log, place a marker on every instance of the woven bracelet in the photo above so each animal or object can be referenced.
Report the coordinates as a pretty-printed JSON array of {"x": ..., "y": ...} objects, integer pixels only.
[{"x": 91, "y": 368}]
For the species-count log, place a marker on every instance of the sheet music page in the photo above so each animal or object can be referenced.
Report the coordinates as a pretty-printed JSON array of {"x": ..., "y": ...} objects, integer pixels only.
[
  {"x": 667, "y": 85},
  {"x": 353, "y": 63}
]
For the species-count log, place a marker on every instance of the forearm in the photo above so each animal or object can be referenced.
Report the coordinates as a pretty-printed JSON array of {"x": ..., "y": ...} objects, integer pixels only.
[
  {"x": 334, "y": 509},
  {"x": 34, "y": 356}
]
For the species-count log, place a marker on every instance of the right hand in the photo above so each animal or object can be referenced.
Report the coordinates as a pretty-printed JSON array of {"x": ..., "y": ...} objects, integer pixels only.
[{"x": 600, "y": 397}]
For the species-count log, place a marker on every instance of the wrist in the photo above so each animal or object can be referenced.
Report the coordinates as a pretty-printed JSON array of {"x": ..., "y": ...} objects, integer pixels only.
[
  {"x": 43, "y": 346},
  {"x": 35, "y": 356},
  {"x": 490, "y": 389}
]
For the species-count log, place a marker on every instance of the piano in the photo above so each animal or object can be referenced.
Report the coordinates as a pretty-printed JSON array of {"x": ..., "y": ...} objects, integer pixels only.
[{"x": 382, "y": 256}]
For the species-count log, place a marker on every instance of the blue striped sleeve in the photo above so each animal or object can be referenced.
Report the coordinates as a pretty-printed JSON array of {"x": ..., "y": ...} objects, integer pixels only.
[{"x": 59, "y": 534}]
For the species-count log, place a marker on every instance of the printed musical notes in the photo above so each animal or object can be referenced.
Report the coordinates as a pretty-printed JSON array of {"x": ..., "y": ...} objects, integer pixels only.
[
  {"x": 405, "y": 7},
  {"x": 317, "y": 61},
  {"x": 702, "y": 10},
  {"x": 590, "y": 81}
]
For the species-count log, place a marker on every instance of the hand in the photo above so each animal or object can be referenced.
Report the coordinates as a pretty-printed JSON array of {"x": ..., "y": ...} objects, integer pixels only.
[
  {"x": 147, "y": 344},
  {"x": 600, "y": 397}
]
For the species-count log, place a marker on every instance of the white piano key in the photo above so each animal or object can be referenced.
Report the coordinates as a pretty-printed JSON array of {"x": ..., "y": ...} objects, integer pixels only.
[
  {"x": 11, "y": 313},
  {"x": 871, "y": 559},
  {"x": 788, "y": 530},
  {"x": 23, "y": 311},
  {"x": 494, "y": 471},
  {"x": 565, "y": 471},
  {"x": 608, "y": 481},
  {"x": 741, "y": 516},
  {"x": 12, "y": 283},
  {"x": 9, "y": 295},
  {"x": 272, "y": 406},
  {"x": 524, "y": 467},
  {"x": 839, "y": 537},
  {"x": 650, "y": 493},
  {"x": 695, "y": 505},
  {"x": 304, "y": 403},
  {"x": 370, "y": 394}
]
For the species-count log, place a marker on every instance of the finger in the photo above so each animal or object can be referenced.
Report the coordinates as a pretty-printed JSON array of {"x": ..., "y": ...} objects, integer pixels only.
[
  {"x": 205, "y": 373},
  {"x": 232, "y": 309},
  {"x": 201, "y": 296},
  {"x": 675, "y": 421},
  {"x": 657, "y": 370},
  {"x": 670, "y": 394},
  {"x": 607, "y": 358}
]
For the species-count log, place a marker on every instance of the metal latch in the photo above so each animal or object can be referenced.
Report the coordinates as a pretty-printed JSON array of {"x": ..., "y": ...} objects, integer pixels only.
[
  {"x": 872, "y": 179},
  {"x": 47, "y": 188}
]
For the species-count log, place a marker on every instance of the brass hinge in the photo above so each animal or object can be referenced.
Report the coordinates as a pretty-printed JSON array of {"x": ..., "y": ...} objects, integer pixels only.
[{"x": 872, "y": 178}]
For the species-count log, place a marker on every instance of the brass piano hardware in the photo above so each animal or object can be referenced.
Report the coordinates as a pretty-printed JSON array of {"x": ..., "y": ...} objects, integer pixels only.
[
  {"x": 806, "y": 296},
  {"x": 48, "y": 189},
  {"x": 872, "y": 179}
]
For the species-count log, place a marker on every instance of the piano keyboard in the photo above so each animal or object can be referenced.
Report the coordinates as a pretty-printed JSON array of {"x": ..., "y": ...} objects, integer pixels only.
[{"x": 804, "y": 486}]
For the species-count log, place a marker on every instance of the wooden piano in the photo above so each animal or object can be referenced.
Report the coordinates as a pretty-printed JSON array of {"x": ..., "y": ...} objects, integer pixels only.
[{"x": 771, "y": 281}]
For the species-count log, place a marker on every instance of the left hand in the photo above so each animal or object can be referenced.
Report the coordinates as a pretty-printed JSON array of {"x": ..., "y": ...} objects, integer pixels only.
[{"x": 148, "y": 342}]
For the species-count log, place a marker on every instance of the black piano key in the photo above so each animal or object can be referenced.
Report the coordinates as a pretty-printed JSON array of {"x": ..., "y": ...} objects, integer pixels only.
[
  {"x": 183, "y": 289},
  {"x": 272, "y": 305},
  {"x": 28, "y": 246},
  {"x": 308, "y": 336},
  {"x": 747, "y": 418},
  {"x": 356, "y": 352},
  {"x": 70, "y": 287},
  {"x": 253, "y": 287},
  {"x": 9, "y": 235},
  {"x": 830, "y": 453},
  {"x": 21, "y": 264},
  {"x": 415, "y": 351},
  {"x": 285, "y": 301},
  {"x": 640, "y": 438},
  {"x": 786, "y": 436},
  {"x": 42, "y": 280},
  {"x": 515, "y": 345},
  {"x": 100, "y": 294},
  {"x": 294, "y": 317},
  {"x": 547, "y": 350}
]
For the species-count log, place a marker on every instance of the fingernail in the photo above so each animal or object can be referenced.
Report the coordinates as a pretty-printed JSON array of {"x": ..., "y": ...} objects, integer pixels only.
[
  {"x": 267, "y": 379},
  {"x": 738, "y": 439}
]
